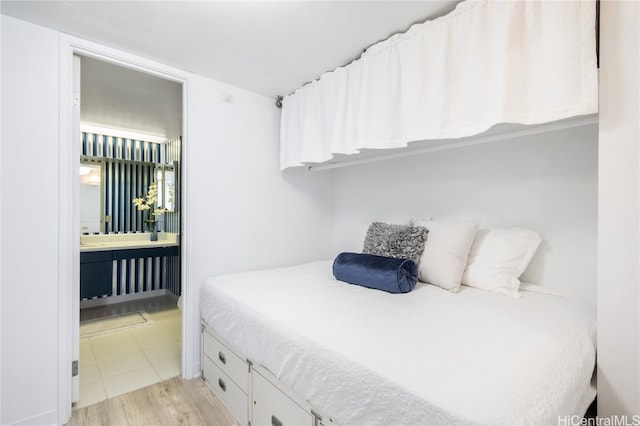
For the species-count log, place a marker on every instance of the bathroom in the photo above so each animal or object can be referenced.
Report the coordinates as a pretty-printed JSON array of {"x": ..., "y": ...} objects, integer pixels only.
[{"x": 130, "y": 135}]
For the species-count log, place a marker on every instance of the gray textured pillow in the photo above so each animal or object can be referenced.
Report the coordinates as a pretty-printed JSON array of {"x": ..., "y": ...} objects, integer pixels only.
[{"x": 398, "y": 241}]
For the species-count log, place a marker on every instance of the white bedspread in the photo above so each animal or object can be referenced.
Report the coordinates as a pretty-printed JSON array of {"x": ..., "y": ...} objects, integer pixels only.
[{"x": 363, "y": 356}]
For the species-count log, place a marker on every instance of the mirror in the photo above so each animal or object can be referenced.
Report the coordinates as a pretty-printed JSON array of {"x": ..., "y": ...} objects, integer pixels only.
[
  {"x": 166, "y": 178},
  {"x": 91, "y": 190}
]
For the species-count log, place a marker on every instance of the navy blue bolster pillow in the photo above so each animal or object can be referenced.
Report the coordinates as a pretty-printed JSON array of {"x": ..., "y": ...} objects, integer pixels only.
[{"x": 379, "y": 272}]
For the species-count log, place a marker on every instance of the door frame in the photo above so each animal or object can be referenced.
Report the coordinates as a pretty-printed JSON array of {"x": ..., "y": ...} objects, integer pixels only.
[{"x": 69, "y": 220}]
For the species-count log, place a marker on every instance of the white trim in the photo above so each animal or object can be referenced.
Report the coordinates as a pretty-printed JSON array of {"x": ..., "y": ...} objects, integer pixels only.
[
  {"x": 66, "y": 249},
  {"x": 68, "y": 224},
  {"x": 110, "y": 300},
  {"x": 75, "y": 217},
  {"x": 190, "y": 311}
]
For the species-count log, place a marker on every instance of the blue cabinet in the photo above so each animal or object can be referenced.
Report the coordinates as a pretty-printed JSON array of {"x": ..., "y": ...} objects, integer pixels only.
[
  {"x": 136, "y": 270},
  {"x": 96, "y": 273}
]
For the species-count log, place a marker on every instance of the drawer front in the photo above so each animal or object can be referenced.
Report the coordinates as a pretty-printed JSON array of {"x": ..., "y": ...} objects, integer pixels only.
[
  {"x": 272, "y": 407},
  {"x": 95, "y": 256},
  {"x": 96, "y": 279},
  {"x": 227, "y": 361},
  {"x": 231, "y": 396}
]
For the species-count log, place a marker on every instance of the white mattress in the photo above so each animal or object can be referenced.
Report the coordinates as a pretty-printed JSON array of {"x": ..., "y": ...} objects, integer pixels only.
[{"x": 364, "y": 356}]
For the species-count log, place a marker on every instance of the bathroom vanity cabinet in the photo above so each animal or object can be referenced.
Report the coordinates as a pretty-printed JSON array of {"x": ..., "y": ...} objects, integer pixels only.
[{"x": 126, "y": 264}]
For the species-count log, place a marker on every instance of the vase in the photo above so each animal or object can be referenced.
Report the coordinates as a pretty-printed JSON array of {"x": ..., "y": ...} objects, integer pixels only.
[{"x": 153, "y": 232}]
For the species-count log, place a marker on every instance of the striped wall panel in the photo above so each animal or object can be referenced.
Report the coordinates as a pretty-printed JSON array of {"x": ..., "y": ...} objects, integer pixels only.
[
  {"x": 123, "y": 182},
  {"x": 172, "y": 282},
  {"x": 120, "y": 148},
  {"x": 173, "y": 150},
  {"x": 131, "y": 276}
]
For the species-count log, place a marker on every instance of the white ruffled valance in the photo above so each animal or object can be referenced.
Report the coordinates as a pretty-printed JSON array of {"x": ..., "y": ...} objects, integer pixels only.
[{"x": 485, "y": 63}]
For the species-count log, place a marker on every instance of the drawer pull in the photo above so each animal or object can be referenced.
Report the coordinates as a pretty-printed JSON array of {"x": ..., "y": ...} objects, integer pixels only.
[
  {"x": 275, "y": 421},
  {"x": 222, "y": 385},
  {"x": 222, "y": 358}
]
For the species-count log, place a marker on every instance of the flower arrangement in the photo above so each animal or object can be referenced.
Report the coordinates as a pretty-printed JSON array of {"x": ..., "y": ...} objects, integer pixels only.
[{"x": 147, "y": 202}]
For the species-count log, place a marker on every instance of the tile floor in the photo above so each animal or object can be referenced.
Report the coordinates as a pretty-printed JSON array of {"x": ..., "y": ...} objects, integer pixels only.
[{"x": 129, "y": 359}]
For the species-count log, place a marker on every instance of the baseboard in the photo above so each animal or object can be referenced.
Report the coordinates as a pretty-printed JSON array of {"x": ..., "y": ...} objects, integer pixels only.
[
  {"x": 124, "y": 298},
  {"x": 197, "y": 372}
]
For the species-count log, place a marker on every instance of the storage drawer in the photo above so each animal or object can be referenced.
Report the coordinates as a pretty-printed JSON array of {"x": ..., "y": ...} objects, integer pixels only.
[
  {"x": 272, "y": 407},
  {"x": 231, "y": 396},
  {"x": 227, "y": 361}
]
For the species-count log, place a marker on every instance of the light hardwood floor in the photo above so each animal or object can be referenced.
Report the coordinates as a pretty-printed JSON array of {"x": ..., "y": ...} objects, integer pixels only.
[{"x": 172, "y": 402}]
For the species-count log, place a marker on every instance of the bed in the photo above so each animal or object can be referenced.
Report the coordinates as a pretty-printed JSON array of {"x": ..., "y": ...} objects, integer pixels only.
[{"x": 363, "y": 356}]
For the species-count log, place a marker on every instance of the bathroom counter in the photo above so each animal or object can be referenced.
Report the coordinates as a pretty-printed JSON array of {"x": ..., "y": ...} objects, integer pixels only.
[{"x": 137, "y": 240}]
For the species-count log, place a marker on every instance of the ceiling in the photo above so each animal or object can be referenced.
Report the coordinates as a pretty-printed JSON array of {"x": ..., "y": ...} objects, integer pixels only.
[
  {"x": 120, "y": 98},
  {"x": 268, "y": 47}
]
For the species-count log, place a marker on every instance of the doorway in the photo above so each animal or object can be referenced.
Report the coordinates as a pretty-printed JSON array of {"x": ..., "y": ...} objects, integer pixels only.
[{"x": 128, "y": 126}]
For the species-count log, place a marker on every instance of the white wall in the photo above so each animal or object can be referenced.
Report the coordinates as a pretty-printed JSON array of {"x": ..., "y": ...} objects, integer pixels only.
[
  {"x": 618, "y": 210},
  {"x": 245, "y": 214},
  {"x": 29, "y": 223},
  {"x": 242, "y": 213},
  {"x": 547, "y": 183}
]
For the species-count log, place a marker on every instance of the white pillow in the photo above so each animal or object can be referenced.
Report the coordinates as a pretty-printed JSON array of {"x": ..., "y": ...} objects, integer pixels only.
[
  {"x": 445, "y": 253},
  {"x": 498, "y": 257}
]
